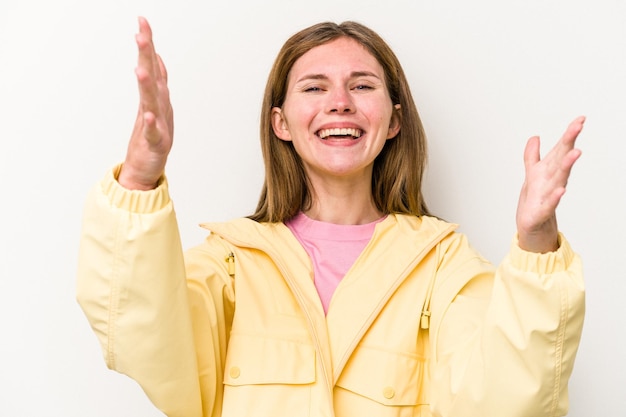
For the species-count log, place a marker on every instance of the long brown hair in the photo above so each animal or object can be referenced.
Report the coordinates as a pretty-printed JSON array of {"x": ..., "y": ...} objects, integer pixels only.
[{"x": 398, "y": 169}]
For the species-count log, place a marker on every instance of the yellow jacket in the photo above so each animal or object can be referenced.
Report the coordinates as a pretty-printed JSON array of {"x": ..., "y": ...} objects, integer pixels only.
[{"x": 421, "y": 325}]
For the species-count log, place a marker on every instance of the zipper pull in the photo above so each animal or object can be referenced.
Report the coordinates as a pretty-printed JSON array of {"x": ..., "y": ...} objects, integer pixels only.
[
  {"x": 230, "y": 259},
  {"x": 425, "y": 320}
]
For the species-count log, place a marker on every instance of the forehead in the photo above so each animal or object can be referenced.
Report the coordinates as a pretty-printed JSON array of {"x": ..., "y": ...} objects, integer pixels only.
[{"x": 337, "y": 56}]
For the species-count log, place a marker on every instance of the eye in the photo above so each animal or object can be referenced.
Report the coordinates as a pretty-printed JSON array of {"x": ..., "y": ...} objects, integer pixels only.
[
  {"x": 312, "y": 89},
  {"x": 363, "y": 87}
]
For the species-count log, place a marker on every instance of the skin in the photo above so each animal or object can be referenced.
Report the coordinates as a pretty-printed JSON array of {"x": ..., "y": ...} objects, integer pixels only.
[{"x": 340, "y": 171}]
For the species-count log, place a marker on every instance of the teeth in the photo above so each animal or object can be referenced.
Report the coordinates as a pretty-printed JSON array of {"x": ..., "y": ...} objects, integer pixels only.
[{"x": 344, "y": 131}]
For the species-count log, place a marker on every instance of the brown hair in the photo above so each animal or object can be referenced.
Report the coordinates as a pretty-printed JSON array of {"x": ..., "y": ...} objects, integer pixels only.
[{"x": 398, "y": 169}]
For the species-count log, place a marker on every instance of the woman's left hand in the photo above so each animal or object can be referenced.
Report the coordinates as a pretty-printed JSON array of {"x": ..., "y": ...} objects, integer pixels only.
[{"x": 543, "y": 188}]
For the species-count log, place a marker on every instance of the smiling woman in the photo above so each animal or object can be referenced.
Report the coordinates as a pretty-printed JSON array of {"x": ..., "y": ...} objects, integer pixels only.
[
  {"x": 341, "y": 295},
  {"x": 362, "y": 63}
]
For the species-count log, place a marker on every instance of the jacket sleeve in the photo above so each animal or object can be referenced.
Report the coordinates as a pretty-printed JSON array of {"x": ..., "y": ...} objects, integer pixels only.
[
  {"x": 132, "y": 287},
  {"x": 505, "y": 341}
]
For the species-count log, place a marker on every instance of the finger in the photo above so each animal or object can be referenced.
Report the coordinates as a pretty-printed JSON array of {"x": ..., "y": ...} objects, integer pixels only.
[
  {"x": 531, "y": 152},
  {"x": 567, "y": 161},
  {"x": 561, "y": 154},
  {"x": 165, "y": 93},
  {"x": 144, "y": 26},
  {"x": 162, "y": 69},
  {"x": 148, "y": 91},
  {"x": 571, "y": 134},
  {"x": 570, "y": 158},
  {"x": 552, "y": 200},
  {"x": 576, "y": 126},
  {"x": 567, "y": 164},
  {"x": 147, "y": 55},
  {"x": 147, "y": 71}
]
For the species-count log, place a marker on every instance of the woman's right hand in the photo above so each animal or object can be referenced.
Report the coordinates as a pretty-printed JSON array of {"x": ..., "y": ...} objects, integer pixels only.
[{"x": 153, "y": 132}]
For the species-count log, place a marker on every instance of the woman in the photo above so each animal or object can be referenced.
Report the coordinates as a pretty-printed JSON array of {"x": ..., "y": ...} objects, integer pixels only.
[{"x": 340, "y": 295}]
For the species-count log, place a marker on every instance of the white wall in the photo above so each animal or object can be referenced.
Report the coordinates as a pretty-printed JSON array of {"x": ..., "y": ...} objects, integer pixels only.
[{"x": 486, "y": 75}]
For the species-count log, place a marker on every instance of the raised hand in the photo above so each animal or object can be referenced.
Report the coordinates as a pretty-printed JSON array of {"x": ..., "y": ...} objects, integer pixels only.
[
  {"x": 152, "y": 135},
  {"x": 543, "y": 188}
]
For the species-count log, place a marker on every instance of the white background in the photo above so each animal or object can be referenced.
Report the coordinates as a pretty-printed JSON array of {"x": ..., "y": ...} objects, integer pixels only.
[{"x": 486, "y": 75}]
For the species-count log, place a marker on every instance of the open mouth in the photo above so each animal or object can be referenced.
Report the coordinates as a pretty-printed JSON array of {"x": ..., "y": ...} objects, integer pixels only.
[{"x": 340, "y": 133}]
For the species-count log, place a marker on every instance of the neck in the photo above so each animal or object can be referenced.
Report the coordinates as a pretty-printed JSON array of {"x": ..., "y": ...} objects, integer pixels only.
[{"x": 343, "y": 202}]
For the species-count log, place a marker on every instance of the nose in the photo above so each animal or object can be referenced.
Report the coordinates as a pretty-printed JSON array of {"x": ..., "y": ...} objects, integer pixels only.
[{"x": 340, "y": 101}]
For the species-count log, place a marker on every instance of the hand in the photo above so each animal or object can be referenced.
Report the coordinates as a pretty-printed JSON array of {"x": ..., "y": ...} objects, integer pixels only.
[
  {"x": 152, "y": 135},
  {"x": 543, "y": 188}
]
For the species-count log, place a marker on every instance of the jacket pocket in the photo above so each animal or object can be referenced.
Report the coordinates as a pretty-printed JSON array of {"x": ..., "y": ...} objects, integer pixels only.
[
  {"x": 268, "y": 377},
  {"x": 382, "y": 383}
]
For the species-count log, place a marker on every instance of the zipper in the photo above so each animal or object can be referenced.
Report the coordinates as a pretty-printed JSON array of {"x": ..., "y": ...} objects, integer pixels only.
[{"x": 425, "y": 318}]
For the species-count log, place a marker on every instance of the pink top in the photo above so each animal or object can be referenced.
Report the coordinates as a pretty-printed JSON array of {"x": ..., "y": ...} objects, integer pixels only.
[{"x": 333, "y": 248}]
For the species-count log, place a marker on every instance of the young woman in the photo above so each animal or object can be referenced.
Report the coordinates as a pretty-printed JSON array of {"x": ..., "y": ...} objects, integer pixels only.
[{"x": 341, "y": 295}]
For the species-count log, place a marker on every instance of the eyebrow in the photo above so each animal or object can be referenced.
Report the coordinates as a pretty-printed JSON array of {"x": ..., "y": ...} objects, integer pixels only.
[{"x": 354, "y": 74}]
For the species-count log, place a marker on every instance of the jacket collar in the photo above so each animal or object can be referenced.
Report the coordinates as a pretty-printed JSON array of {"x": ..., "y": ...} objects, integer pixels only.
[{"x": 277, "y": 239}]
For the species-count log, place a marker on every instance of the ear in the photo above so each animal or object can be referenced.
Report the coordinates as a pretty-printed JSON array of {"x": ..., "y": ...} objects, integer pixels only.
[
  {"x": 395, "y": 122},
  {"x": 279, "y": 124}
]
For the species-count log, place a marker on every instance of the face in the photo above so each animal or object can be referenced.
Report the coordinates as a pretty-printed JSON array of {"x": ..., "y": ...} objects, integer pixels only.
[{"x": 337, "y": 111}]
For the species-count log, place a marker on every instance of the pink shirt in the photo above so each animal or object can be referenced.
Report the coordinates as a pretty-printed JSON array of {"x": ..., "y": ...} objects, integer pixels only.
[{"x": 333, "y": 248}]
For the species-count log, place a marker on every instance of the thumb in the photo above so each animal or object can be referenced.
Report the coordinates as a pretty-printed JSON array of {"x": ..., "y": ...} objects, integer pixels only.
[{"x": 531, "y": 152}]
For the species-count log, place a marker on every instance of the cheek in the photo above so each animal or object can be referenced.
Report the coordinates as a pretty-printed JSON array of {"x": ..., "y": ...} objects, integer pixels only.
[
  {"x": 378, "y": 111},
  {"x": 382, "y": 117},
  {"x": 298, "y": 116}
]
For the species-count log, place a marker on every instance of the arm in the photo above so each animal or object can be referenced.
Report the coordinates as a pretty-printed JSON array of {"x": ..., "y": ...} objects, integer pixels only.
[
  {"x": 151, "y": 316},
  {"x": 504, "y": 343}
]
